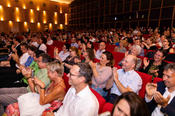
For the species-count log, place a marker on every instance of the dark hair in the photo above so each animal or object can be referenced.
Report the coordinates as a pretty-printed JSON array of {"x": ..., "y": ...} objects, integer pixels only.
[
  {"x": 109, "y": 57},
  {"x": 67, "y": 46},
  {"x": 137, "y": 106},
  {"x": 170, "y": 66},
  {"x": 86, "y": 71},
  {"x": 25, "y": 45},
  {"x": 44, "y": 40},
  {"x": 17, "y": 39},
  {"x": 32, "y": 48},
  {"x": 162, "y": 51},
  {"x": 92, "y": 46},
  {"x": 38, "y": 52},
  {"x": 91, "y": 54},
  {"x": 45, "y": 57}
]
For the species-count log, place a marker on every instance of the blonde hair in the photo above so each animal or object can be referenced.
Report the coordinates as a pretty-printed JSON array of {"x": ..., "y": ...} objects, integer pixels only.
[{"x": 56, "y": 66}]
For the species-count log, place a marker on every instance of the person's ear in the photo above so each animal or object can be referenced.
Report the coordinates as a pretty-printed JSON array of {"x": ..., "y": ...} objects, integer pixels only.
[{"x": 82, "y": 79}]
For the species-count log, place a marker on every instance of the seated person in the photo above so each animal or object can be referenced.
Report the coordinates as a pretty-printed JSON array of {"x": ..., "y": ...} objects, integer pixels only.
[
  {"x": 55, "y": 91},
  {"x": 62, "y": 55},
  {"x": 160, "y": 97},
  {"x": 10, "y": 95},
  {"x": 88, "y": 55},
  {"x": 135, "y": 51},
  {"x": 154, "y": 67},
  {"x": 121, "y": 47},
  {"x": 102, "y": 73},
  {"x": 79, "y": 99},
  {"x": 130, "y": 104},
  {"x": 72, "y": 59},
  {"x": 125, "y": 79},
  {"x": 101, "y": 49}
]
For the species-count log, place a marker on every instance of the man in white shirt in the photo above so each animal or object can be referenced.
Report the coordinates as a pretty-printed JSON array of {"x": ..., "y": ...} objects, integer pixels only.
[
  {"x": 125, "y": 79},
  {"x": 101, "y": 49},
  {"x": 160, "y": 97},
  {"x": 79, "y": 100}
]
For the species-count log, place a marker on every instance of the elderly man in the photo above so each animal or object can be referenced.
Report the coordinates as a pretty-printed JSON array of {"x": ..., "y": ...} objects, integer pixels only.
[
  {"x": 79, "y": 99},
  {"x": 125, "y": 79},
  {"x": 101, "y": 49},
  {"x": 160, "y": 96}
]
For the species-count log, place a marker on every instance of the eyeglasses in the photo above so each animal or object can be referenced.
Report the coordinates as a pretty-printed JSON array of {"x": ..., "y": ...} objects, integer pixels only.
[{"x": 73, "y": 75}]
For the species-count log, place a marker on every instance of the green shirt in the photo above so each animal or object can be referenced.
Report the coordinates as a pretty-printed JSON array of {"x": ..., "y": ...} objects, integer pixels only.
[{"x": 43, "y": 76}]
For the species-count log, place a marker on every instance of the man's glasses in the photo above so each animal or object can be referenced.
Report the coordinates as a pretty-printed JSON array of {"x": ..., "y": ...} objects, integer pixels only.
[{"x": 73, "y": 74}]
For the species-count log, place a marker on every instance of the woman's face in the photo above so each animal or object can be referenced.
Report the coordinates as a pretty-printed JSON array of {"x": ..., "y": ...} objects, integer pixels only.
[
  {"x": 88, "y": 45},
  {"x": 134, "y": 52},
  {"x": 148, "y": 41},
  {"x": 72, "y": 53},
  {"x": 158, "y": 56},
  {"x": 165, "y": 43},
  {"x": 85, "y": 54},
  {"x": 122, "y": 108},
  {"x": 64, "y": 48},
  {"x": 50, "y": 74},
  {"x": 103, "y": 59}
]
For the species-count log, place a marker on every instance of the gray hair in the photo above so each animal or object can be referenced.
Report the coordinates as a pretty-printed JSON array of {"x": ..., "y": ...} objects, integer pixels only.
[{"x": 138, "y": 48}]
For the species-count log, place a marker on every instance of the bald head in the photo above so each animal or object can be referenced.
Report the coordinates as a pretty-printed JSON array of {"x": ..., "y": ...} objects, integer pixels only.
[{"x": 129, "y": 62}]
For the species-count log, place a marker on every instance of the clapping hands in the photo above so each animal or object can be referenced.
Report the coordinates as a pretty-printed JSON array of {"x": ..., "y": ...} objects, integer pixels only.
[{"x": 151, "y": 92}]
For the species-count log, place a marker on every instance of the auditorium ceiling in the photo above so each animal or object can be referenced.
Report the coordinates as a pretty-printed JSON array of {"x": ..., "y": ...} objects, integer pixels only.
[{"x": 63, "y": 1}]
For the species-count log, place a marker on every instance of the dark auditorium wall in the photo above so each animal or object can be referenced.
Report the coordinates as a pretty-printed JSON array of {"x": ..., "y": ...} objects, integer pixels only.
[
  {"x": 33, "y": 15},
  {"x": 93, "y": 14}
]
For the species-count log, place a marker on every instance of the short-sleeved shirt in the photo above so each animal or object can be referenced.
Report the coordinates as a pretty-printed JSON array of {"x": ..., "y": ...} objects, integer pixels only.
[{"x": 129, "y": 79}]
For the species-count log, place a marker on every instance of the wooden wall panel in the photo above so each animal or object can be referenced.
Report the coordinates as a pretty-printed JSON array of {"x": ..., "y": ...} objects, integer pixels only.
[{"x": 9, "y": 14}]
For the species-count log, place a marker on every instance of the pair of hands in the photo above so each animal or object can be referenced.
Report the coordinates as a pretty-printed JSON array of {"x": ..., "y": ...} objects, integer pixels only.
[
  {"x": 151, "y": 92},
  {"x": 27, "y": 72}
]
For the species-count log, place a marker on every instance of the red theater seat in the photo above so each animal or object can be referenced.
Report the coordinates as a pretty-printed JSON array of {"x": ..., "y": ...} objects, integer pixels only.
[
  {"x": 66, "y": 81},
  {"x": 107, "y": 107},
  {"x": 157, "y": 79},
  {"x": 100, "y": 99},
  {"x": 118, "y": 56},
  {"x": 145, "y": 79}
]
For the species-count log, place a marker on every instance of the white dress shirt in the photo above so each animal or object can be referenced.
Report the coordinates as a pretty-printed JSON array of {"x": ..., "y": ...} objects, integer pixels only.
[
  {"x": 82, "y": 104},
  {"x": 129, "y": 79}
]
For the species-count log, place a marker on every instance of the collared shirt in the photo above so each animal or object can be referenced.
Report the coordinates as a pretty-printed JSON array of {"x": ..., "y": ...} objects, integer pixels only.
[
  {"x": 82, "y": 104},
  {"x": 99, "y": 53},
  {"x": 129, "y": 79},
  {"x": 157, "y": 111},
  {"x": 63, "y": 55}
]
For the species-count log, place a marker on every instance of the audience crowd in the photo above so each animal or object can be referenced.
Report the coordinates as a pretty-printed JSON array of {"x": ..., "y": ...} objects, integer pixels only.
[{"x": 65, "y": 73}]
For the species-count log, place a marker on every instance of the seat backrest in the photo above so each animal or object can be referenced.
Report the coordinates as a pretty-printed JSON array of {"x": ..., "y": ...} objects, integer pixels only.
[
  {"x": 157, "y": 79},
  {"x": 145, "y": 79},
  {"x": 50, "y": 50},
  {"x": 66, "y": 81},
  {"x": 110, "y": 48},
  {"x": 118, "y": 56},
  {"x": 100, "y": 99},
  {"x": 107, "y": 107}
]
